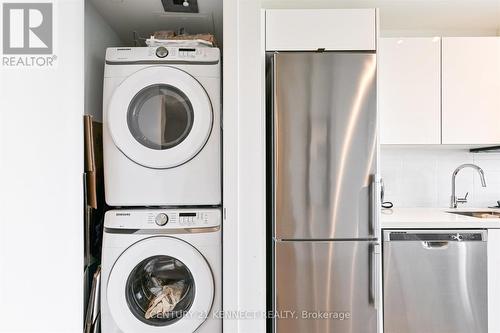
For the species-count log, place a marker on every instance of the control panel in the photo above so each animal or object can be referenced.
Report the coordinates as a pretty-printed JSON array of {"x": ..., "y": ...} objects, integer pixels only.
[
  {"x": 163, "y": 218},
  {"x": 436, "y": 235},
  {"x": 163, "y": 54}
]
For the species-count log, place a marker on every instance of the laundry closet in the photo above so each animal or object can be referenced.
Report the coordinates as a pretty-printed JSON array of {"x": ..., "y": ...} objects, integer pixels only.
[{"x": 157, "y": 68}]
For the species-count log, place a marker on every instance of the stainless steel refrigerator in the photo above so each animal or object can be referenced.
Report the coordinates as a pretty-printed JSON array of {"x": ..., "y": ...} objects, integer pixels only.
[{"x": 322, "y": 114}]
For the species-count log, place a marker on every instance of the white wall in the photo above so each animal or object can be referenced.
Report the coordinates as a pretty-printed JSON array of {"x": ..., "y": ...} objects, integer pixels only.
[
  {"x": 244, "y": 244},
  {"x": 421, "y": 176},
  {"x": 98, "y": 36},
  {"x": 41, "y": 197},
  {"x": 442, "y": 32}
]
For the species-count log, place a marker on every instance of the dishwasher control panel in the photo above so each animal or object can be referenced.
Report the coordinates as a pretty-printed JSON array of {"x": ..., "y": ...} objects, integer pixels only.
[{"x": 436, "y": 235}]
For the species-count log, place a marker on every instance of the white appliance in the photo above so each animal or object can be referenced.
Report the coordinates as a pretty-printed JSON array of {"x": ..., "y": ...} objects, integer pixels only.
[
  {"x": 161, "y": 133},
  {"x": 161, "y": 254}
]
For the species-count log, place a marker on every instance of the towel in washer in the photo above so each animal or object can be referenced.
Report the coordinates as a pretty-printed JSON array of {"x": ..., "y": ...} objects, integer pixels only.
[{"x": 165, "y": 301}]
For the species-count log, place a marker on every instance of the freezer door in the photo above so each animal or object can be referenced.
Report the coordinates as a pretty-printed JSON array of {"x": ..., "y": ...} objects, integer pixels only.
[
  {"x": 325, "y": 145},
  {"x": 326, "y": 286}
]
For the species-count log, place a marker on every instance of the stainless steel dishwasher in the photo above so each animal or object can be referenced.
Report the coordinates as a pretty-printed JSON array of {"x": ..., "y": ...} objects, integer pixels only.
[{"x": 435, "y": 281}]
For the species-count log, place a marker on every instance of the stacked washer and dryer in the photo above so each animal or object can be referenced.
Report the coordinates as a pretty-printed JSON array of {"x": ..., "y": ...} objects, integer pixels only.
[{"x": 161, "y": 257}]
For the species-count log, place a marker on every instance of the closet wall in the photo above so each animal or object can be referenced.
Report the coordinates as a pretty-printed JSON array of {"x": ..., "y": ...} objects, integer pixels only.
[
  {"x": 98, "y": 36},
  {"x": 41, "y": 177}
]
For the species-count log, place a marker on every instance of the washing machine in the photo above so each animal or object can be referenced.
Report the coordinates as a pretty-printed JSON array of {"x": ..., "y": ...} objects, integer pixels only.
[
  {"x": 162, "y": 133},
  {"x": 161, "y": 271}
]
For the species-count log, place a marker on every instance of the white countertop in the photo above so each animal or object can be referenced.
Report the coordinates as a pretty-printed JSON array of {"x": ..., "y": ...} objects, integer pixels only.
[{"x": 434, "y": 218}]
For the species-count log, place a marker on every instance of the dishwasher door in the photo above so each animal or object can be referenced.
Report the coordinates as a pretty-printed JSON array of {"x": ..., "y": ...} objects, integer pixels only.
[{"x": 435, "y": 281}]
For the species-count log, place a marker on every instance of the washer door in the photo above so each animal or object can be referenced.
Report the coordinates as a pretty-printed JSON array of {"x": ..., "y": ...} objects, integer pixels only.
[
  {"x": 160, "y": 117},
  {"x": 160, "y": 284}
]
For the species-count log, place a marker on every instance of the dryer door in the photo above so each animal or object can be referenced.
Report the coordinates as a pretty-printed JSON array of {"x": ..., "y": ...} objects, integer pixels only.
[
  {"x": 160, "y": 284},
  {"x": 160, "y": 117}
]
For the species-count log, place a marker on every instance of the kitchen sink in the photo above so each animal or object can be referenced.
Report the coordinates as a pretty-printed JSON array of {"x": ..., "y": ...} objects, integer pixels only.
[{"x": 479, "y": 214}]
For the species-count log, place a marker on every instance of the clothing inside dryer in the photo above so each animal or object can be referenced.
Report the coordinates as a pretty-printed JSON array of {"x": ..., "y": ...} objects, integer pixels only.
[
  {"x": 160, "y": 116},
  {"x": 160, "y": 290}
]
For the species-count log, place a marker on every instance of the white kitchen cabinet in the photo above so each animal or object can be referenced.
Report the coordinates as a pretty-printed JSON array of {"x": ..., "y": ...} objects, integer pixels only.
[
  {"x": 471, "y": 90},
  {"x": 313, "y": 29},
  {"x": 410, "y": 90},
  {"x": 493, "y": 280}
]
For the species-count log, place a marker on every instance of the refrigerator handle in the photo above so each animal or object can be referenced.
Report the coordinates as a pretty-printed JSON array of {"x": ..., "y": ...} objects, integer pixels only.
[
  {"x": 375, "y": 205},
  {"x": 375, "y": 275}
]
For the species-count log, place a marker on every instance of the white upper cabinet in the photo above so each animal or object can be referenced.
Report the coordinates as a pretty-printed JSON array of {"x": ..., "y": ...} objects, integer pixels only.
[
  {"x": 313, "y": 29},
  {"x": 409, "y": 90},
  {"x": 471, "y": 90}
]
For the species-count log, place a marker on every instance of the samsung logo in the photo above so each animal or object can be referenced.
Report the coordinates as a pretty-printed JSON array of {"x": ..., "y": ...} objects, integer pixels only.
[{"x": 122, "y": 214}]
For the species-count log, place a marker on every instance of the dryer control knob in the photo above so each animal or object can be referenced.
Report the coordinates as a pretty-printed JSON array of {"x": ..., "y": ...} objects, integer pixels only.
[
  {"x": 161, "y": 52},
  {"x": 161, "y": 219}
]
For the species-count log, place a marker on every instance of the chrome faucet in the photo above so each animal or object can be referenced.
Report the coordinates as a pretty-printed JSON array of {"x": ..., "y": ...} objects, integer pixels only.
[{"x": 454, "y": 200}]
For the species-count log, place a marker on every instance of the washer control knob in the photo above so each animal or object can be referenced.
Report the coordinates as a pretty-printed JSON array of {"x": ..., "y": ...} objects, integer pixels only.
[
  {"x": 161, "y": 219},
  {"x": 161, "y": 52}
]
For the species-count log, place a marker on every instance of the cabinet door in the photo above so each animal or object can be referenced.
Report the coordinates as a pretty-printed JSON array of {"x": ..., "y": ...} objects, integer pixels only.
[
  {"x": 312, "y": 29},
  {"x": 409, "y": 90},
  {"x": 471, "y": 90}
]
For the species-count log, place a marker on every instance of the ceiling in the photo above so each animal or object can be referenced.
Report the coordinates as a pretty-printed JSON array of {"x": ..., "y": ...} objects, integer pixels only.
[{"x": 397, "y": 17}]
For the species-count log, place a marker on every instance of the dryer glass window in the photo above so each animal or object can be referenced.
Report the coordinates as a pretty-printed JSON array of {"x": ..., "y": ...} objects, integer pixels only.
[
  {"x": 160, "y": 290},
  {"x": 160, "y": 116}
]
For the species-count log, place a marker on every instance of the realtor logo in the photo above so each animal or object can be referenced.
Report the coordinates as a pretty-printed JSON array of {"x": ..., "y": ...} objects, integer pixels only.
[{"x": 27, "y": 28}]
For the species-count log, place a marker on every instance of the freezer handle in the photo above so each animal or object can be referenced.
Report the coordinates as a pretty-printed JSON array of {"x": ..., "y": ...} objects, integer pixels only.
[{"x": 374, "y": 276}]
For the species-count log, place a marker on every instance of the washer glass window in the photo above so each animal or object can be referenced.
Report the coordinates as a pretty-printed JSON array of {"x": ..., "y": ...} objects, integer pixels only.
[
  {"x": 160, "y": 116},
  {"x": 160, "y": 290}
]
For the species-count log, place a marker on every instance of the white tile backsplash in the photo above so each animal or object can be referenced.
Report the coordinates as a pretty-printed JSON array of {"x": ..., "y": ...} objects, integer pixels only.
[{"x": 421, "y": 176}]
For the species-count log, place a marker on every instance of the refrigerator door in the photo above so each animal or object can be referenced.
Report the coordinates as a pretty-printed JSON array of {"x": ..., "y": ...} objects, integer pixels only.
[
  {"x": 326, "y": 286},
  {"x": 325, "y": 145}
]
